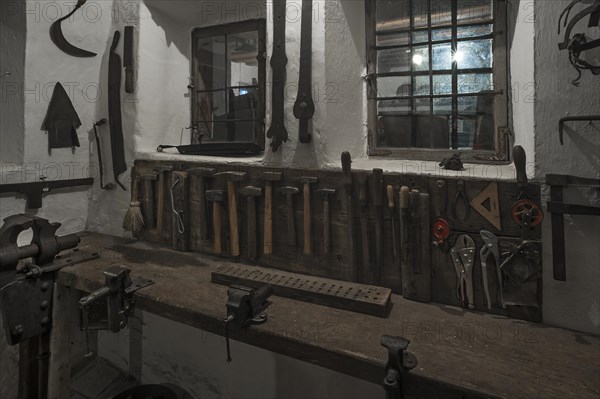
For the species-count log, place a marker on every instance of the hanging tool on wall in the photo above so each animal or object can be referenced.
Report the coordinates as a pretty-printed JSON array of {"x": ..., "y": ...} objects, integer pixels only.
[
  {"x": 251, "y": 193},
  {"x": 463, "y": 257},
  {"x": 128, "y": 59},
  {"x": 441, "y": 232},
  {"x": 558, "y": 208},
  {"x": 147, "y": 199},
  {"x": 461, "y": 196},
  {"x": 399, "y": 363},
  {"x": 490, "y": 247},
  {"x": 439, "y": 198},
  {"x": 117, "y": 143},
  {"x": 269, "y": 179},
  {"x": 98, "y": 124},
  {"x": 524, "y": 207},
  {"x": 491, "y": 213},
  {"x": 279, "y": 60},
  {"x": 233, "y": 177},
  {"x": 562, "y": 121},
  {"x": 392, "y": 207},
  {"x": 289, "y": 193},
  {"x": 198, "y": 209},
  {"x": 216, "y": 197},
  {"x": 61, "y": 121},
  {"x": 112, "y": 304},
  {"x": 245, "y": 307},
  {"x": 577, "y": 44},
  {"x": 347, "y": 184},
  {"x": 180, "y": 210},
  {"x": 377, "y": 196},
  {"x": 304, "y": 108},
  {"x": 366, "y": 274},
  {"x": 423, "y": 277},
  {"x": 58, "y": 38},
  {"x": 163, "y": 182},
  {"x": 326, "y": 194},
  {"x": 36, "y": 190},
  {"x": 306, "y": 181},
  {"x": 405, "y": 259}
]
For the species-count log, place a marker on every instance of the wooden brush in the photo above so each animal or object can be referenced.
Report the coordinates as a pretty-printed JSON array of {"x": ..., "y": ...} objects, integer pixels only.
[{"x": 134, "y": 221}]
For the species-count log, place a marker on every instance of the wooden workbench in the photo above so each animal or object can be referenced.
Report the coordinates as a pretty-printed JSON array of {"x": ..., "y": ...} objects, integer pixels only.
[{"x": 461, "y": 354}]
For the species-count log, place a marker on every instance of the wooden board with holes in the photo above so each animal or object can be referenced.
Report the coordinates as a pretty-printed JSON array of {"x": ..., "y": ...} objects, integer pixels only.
[{"x": 359, "y": 298}]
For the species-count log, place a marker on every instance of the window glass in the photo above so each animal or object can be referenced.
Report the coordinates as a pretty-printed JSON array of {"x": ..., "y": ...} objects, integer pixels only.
[{"x": 475, "y": 54}]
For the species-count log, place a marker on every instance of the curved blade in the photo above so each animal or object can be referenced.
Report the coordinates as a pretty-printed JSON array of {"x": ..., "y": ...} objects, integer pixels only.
[{"x": 58, "y": 38}]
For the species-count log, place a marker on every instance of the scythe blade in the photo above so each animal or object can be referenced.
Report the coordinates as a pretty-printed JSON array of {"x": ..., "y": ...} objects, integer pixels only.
[{"x": 57, "y": 36}]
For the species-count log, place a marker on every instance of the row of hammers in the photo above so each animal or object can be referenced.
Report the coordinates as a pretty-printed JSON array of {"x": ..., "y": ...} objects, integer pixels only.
[{"x": 178, "y": 186}]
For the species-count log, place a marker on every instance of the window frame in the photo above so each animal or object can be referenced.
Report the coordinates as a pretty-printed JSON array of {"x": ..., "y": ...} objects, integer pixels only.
[
  {"x": 500, "y": 71},
  {"x": 248, "y": 148}
]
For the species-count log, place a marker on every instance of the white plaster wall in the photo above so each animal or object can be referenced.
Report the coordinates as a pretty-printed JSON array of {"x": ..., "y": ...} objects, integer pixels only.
[
  {"x": 13, "y": 33},
  {"x": 575, "y": 303}
]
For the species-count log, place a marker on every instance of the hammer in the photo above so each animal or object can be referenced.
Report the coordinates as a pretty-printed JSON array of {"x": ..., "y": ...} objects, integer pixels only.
[
  {"x": 216, "y": 198},
  {"x": 147, "y": 198},
  {"x": 251, "y": 193},
  {"x": 269, "y": 178},
  {"x": 160, "y": 213},
  {"x": 325, "y": 194},
  {"x": 307, "y": 181},
  {"x": 289, "y": 193},
  {"x": 199, "y": 187},
  {"x": 232, "y": 178}
]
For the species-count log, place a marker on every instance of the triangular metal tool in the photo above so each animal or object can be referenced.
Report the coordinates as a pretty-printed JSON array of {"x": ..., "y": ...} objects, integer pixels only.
[{"x": 492, "y": 214}]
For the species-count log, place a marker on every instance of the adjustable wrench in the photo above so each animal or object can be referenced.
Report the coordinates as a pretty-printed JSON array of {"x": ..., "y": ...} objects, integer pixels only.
[{"x": 490, "y": 248}]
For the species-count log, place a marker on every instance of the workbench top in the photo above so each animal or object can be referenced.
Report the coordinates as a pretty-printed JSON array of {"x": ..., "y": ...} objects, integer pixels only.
[{"x": 461, "y": 354}]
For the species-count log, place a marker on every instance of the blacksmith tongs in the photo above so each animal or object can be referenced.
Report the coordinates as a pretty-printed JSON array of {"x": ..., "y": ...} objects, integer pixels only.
[
  {"x": 463, "y": 257},
  {"x": 490, "y": 247}
]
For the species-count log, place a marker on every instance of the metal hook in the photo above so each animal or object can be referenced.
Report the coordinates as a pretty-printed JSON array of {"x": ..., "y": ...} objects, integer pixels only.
[{"x": 180, "y": 225}]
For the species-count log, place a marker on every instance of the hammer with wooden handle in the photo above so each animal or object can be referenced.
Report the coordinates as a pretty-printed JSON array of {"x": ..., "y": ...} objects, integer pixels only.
[
  {"x": 326, "y": 193},
  {"x": 162, "y": 170},
  {"x": 232, "y": 178},
  {"x": 216, "y": 198},
  {"x": 307, "y": 181},
  {"x": 289, "y": 193},
  {"x": 269, "y": 178},
  {"x": 251, "y": 193},
  {"x": 199, "y": 176}
]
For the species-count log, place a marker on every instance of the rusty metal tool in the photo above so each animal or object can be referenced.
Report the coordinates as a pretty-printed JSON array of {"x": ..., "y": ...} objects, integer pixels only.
[
  {"x": 232, "y": 178},
  {"x": 199, "y": 177},
  {"x": 405, "y": 240},
  {"x": 490, "y": 247},
  {"x": 463, "y": 257},
  {"x": 147, "y": 199},
  {"x": 180, "y": 210},
  {"x": 399, "y": 363},
  {"x": 306, "y": 181},
  {"x": 304, "y": 107},
  {"x": 251, "y": 193},
  {"x": 162, "y": 170},
  {"x": 461, "y": 196},
  {"x": 269, "y": 179},
  {"x": 377, "y": 198},
  {"x": 392, "y": 207},
  {"x": 347, "y": 184},
  {"x": 289, "y": 193},
  {"x": 216, "y": 197},
  {"x": 108, "y": 186},
  {"x": 366, "y": 272},
  {"x": 326, "y": 193}
]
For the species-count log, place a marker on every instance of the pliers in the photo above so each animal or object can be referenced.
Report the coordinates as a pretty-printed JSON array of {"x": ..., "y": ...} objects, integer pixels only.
[
  {"x": 463, "y": 257},
  {"x": 490, "y": 247},
  {"x": 461, "y": 195}
]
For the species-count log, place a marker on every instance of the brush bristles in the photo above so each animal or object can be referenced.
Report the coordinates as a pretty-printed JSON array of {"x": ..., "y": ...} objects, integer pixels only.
[{"x": 134, "y": 221}]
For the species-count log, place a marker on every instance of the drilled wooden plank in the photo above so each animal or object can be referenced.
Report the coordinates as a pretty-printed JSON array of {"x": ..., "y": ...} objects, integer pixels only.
[{"x": 359, "y": 298}]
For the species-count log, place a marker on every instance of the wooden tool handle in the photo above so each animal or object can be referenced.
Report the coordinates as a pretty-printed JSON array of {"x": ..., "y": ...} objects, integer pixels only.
[
  {"x": 391, "y": 197},
  {"x": 307, "y": 219},
  {"x": 217, "y": 227},
  {"x": 147, "y": 199},
  {"x": 520, "y": 159},
  {"x": 404, "y": 197},
  {"x": 291, "y": 222},
  {"x": 424, "y": 280},
  {"x": 160, "y": 208},
  {"x": 268, "y": 235},
  {"x": 326, "y": 227},
  {"x": 233, "y": 219},
  {"x": 251, "y": 229}
]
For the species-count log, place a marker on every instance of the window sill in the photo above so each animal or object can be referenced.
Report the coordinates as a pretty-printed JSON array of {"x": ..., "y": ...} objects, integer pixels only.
[{"x": 173, "y": 155}]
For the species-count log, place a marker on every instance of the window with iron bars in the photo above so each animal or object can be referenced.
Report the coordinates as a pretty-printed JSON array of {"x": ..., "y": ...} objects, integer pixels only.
[{"x": 437, "y": 78}]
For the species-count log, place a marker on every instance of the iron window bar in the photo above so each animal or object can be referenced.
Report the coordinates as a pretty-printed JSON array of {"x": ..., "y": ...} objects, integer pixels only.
[
  {"x": 225, "y": 88},
  {"x": 435, "y": 27},
  {"x": 464, "y": 71},
  {"x": 432, "y": 96},
  {"x": 433, "y": 42}
]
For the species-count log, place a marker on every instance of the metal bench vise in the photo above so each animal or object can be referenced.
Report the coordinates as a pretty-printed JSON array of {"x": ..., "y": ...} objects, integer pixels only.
[
  {"x": 245, "y": 307},
  {"x": 112, "y": 304},
  {"x": 399, "y": 363},
  {"x": 26, "y": 300}
]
